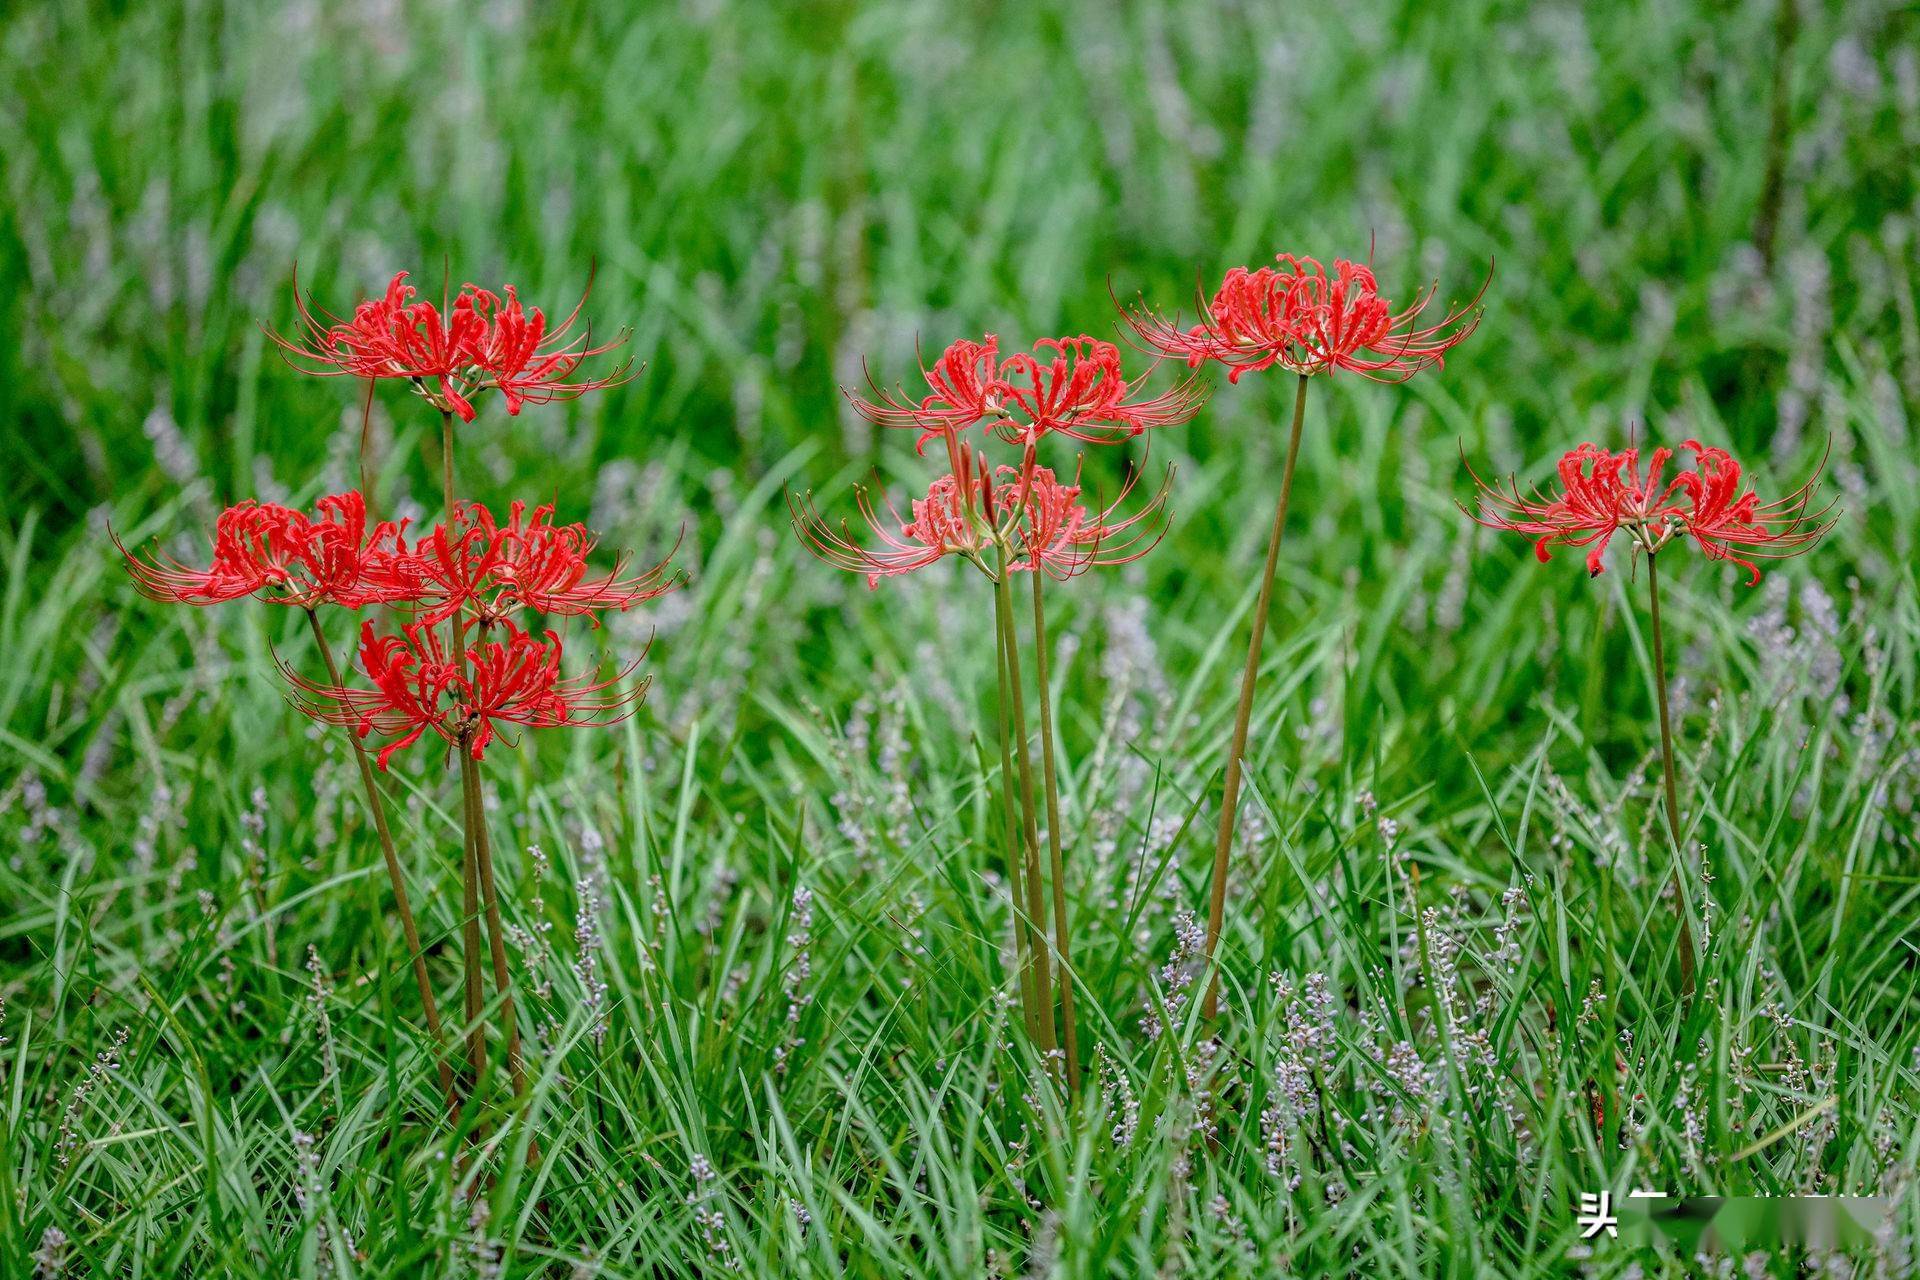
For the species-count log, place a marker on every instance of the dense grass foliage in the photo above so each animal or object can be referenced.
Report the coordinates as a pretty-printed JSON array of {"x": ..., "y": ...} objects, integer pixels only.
[{"x": 757, "y": 929}]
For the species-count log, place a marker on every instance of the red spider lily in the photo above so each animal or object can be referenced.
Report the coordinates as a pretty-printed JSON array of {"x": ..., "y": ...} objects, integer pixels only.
[
  {"x": 344, "y": 563},
  {"x": 1602, "y": 493},
  {"x": 1720, "y": 517},
  {"x": 1064, "y": 539},
  {"x": 436, "y": 348},
  {"x": 452, "y": 352},
  {"x": 288, "y": 557},
  {"x": 419, "y": 687},
  {"x": 1068, "y": 386},
  {"x": 945, "y": 522},
  {"x": 543, "y": 566},
  {"x": 1024, "y": 509},
  {"x": 489, "y": 569},
  {"x": 529, "y": 364},
  {"x": 1297, "y": 316},
  {"x": 962, "y": 383},
  {"x": 456, "y": 562},
  {"x": 1074, "y": 387}
]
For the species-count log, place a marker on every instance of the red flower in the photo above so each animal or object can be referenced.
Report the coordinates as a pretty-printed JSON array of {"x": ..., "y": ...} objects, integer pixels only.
[
  {"x": 527, "y": 363},
  {"x": 418, "y": 687},
  {"x": 1297, "y": 316},
  {"x": 1056, "y": 531},
  {"x": 437, "y": 349},
  {"x": 543, "y": 566},
  {"x": 1720, "y": 518},
  {"x": 962, "y": 386},
  {"x": 456, "y": 562},
  {"x": 490, "y": 569},
  {"x": 945, "y": 522},
  {"x": 452, "y": 352},
  {"x": 1067, "y": 386},
  {"x": 1074, "y": 387},
  {"x": 977, "y": 508},
  {"x": 1602, "y": 493},
  {"x": 343, "y": 563},
  {"x": 287, "y": 557}
]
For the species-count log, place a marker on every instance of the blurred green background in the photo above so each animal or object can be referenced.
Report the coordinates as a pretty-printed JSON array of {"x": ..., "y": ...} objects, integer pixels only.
[
  {"x": 1704, "y": 223},
  {"x": 1703, "y": 207}
]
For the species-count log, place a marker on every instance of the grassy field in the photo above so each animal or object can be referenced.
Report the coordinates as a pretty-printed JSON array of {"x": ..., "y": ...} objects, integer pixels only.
[{"x": 758, "y": 927}]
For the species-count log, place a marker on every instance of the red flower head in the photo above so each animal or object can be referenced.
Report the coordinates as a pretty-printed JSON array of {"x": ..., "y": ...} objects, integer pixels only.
[
  {"x": 456, "y": 562},
  {"x": 1720, "y": 518},
  {"x": 1297, "y": 316},
  {"x": 287, "y": 557},
  {"x": 1067, "y": 386},
  {"x": 437, "y": 349},
  {"x": 1074, "y": 387},
  {"x": 530, "y": 365},
  {"x": 543, "y": 566},
  {"x": 967, "y": 513},
  {"x": 490, "y": 569},
  {"x": 962, "y": 387},
  {"x": 449, "y": 353},
  {"x": 948, "y": 521},
  {"x": 1059, "y": 535},
  {"x": 1602, "y": 493},
  {"x": 418, "y": 688}
]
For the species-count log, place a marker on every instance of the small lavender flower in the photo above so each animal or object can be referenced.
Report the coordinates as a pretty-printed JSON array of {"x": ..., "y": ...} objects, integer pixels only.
[
  {"x": 1188, "y": 958},
  {"x": 707, "y": 1212},
  {"x": 308, "y": 1190},
  {"x": 323, "y": 1023},
  {"x": 1117, "y": 1099},
  {"x": 50, "y": 1259},
  {"x": 586, "y": 958},
  {"x": 799, "y": 970},
  {"x": 483, "y": 1251},
  {"x": 172, "y": 451},
  {"x": 105, "y": 1063},
  {"x": 531, "y": 940},
  {"x": 1305, "y": 1054}
]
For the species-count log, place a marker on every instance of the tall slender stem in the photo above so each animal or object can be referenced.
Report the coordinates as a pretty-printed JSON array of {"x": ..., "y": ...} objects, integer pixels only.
[
  {"x": 1056, "y": 867},
  {"x": 446, "y": 462},
  {"x": 1023, "y": 949},
  {"x": 470, "y": 935},
  {"x": 366, "y": 450},
  {"x": 1243, "y": 718},
  {"x": 469, "y": 864},
  {"x": 1036, "y": 902},
  {"x": 400, "y": 899},
  {"x": 496, "y": 936},
  {"x": 1673, "y": 796}
]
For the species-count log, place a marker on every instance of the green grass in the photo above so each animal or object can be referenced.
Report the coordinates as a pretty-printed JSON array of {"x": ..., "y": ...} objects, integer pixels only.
[{"x": 772, "y": 193}]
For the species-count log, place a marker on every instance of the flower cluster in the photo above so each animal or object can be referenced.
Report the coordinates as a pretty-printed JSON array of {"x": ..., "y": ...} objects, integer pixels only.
[
  {"x": 475, "y": 568},
  {"x": 289, "y": 557},
  {"x": 463, "y": 666},
  {"x": 1041, "y": 522},
  {"x": 1073, "y": 388},
  {"x": 488, "y": 569},
  {"x": 419, "y": 686},
  {"x": 1602, "y": 492},
  {"x": 1302, "y": 318},
  {"x": 451, "y": 352},
  {"x": 1070, "y": 387}
]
